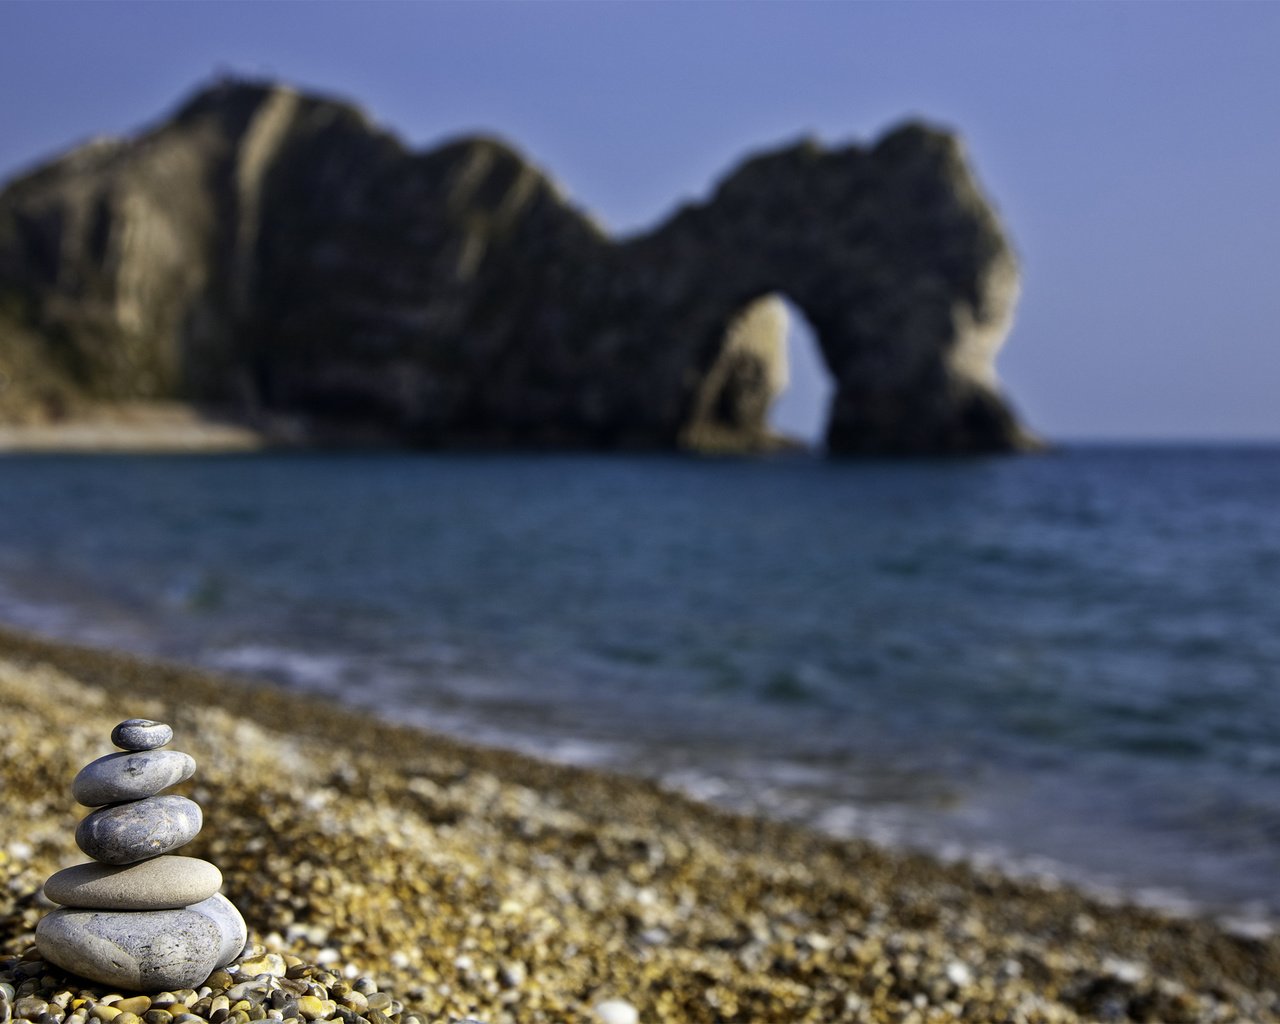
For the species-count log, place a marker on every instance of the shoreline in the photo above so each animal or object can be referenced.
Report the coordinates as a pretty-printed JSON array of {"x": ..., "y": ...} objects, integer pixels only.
[
  {"x": 482, "y": 881},
  {"x": 173, "y": 427},
  {"x": 1250, "y": 918},
  {"x": 136, "y": 427}
]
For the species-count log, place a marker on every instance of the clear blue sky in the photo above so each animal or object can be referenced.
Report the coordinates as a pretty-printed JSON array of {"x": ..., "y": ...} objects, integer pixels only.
[{"x": 1134, "y": 149}]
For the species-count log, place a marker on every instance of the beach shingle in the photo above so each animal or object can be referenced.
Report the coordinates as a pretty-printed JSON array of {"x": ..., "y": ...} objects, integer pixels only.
[{"x": 367, "y": 850}]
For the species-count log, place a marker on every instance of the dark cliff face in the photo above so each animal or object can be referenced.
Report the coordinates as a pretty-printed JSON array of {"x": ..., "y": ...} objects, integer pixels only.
[{"x": 271, "y": 252}]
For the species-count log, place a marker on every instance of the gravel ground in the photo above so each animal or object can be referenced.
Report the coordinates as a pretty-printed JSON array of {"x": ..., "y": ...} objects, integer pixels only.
[
  {"x": 446, "y": 881},
  {"x": 258, "y": 986}
]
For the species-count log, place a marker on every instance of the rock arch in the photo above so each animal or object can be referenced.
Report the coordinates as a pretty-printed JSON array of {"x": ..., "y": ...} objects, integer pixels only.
[
  {"x": 894, "y": 257},
  {"x": 276, "y": 252}
]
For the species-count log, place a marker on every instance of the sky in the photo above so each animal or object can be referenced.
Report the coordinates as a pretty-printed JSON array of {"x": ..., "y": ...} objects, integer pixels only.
[{"x": 1132, "y": 149}]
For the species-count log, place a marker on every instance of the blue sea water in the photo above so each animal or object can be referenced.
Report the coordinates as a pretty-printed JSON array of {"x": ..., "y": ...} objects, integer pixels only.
[{"x": 1068, "y": 663}]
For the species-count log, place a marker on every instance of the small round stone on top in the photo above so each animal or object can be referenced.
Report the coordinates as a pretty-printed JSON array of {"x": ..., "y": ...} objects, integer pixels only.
[{"x": 141, "y": 734}]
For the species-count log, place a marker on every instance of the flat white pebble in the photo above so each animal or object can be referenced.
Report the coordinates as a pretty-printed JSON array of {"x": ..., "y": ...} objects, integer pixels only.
[
  {"x": 141, "y": 734},
  {"x": 616, "y": 1011}
]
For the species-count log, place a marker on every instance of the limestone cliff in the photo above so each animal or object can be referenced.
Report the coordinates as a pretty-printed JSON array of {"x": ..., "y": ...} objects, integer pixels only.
[{"x": 268, "y": 252}]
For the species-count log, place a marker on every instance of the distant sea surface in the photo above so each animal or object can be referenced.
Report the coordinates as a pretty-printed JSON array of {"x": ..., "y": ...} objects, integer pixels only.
[{"x": 1068, "y": 664}]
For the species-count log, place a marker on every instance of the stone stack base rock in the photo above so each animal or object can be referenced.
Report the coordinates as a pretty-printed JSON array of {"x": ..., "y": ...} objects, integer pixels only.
[{"x": 137, "y": 916}]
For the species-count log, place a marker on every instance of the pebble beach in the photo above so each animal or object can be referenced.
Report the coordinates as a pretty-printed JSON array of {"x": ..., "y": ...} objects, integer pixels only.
[{"x": 390, "y": 876}]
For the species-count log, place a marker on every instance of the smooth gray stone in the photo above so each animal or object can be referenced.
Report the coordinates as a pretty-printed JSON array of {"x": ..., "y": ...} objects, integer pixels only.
[
  {"x": 133, "y": 775},
  {"x": 141, "y": 734},
  {"x": 222, "y": 912},
  {"x": 133, "y": 831},
  {"x": 135, "y": 951},
  {"x": 161, "y": 883}
]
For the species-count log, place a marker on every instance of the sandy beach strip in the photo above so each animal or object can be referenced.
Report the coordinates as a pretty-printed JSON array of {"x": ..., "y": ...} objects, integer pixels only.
[
  {"x": 478, "y": 882},
  {"x": 152, "y": 427}
]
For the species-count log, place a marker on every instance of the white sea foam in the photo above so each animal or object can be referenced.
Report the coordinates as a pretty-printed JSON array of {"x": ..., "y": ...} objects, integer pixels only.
[
  {"x": 37, "y": 616},
  {"x": 310, "y": 670}
]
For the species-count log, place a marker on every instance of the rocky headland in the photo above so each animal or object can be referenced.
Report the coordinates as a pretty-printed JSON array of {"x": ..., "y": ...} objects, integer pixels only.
[
  {"x": 395, "y": 877},
  {"x": 278, "y": 261}
]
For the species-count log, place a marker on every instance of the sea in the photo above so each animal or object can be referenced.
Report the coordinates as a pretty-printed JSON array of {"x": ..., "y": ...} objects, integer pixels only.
[{"x": 1064, "y": 665}]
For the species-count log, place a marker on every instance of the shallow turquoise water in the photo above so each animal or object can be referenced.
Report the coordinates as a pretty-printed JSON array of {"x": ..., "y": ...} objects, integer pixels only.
[{"x": 1070, "y": 663}]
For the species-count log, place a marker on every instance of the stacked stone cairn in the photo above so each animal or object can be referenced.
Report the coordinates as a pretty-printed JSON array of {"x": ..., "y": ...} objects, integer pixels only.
[{"x": 139, "y": 918}]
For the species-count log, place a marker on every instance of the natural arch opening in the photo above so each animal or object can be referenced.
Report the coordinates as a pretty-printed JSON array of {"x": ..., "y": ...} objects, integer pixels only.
[
  {"x": 802, "y": 409},
  {"x": 768, "y": 386}
]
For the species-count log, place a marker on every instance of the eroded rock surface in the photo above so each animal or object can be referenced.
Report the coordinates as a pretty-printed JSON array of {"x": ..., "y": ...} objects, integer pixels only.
[
  {"x": 139, "y": 951},
  {"x": 276, "y": 255}
]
